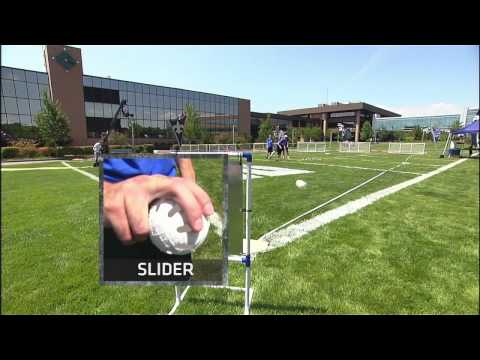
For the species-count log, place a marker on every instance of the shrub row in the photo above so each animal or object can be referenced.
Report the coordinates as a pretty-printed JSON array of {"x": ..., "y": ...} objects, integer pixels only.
[{"x": 33, "y": 152}]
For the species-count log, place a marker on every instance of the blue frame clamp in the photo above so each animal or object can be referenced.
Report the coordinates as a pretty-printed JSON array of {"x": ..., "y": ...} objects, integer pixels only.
[
  {"x": 246, "y": 260},
  {"x": 248, "y": 156}
]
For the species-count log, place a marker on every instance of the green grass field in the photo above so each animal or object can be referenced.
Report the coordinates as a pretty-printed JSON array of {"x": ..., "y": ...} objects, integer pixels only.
[{"x": 413, "y": 252}]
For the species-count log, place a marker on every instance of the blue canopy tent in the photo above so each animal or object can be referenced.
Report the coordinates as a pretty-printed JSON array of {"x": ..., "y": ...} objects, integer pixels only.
[{"x": 472, "y": 129}]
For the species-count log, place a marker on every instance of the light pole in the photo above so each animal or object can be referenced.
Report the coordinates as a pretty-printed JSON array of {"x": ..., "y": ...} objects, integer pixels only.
[{"x": 132, "y": 124}]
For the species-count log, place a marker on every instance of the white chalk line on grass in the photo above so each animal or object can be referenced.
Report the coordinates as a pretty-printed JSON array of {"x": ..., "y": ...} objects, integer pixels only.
[
  {"x": 293, "y": 232},
  {"x": 351, "y": 167},
  {"x": 44, "y": 168},
  {"x": 87, "y": 174}
]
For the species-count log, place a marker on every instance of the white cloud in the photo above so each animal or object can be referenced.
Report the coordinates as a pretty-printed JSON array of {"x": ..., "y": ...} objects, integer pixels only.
[{"x": 440, "y": 108}]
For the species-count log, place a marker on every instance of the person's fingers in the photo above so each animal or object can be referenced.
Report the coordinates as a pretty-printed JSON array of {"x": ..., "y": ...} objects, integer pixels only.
[
  {"x": 202, "y": 197},
  {"x": 119, "y": 222},
  {"x": 191, "y": 208},
  {"x": 136, "y": 208},
  {"x": 177, "y": 189}
]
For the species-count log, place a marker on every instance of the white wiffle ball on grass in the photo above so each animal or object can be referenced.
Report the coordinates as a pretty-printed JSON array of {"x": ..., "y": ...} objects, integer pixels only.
[
  {"x": 169, "y": 229},
  {"x": 300, "y": 184}
]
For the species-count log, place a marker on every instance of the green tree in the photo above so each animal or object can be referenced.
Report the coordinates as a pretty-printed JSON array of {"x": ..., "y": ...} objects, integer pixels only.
[
  {"x": 138, "y": 130},
  {"x": 417, "y": 133},
  {"x": 366, "y": 132},
  {"x": 316, "y": 133},
  {"x": 52, "y": 123},
  {"x": 207, "y": 138},
  {"x": 193, "y": 130},
  {"x": 456, "y": 125},
  {"x": 311, "y": 133},
  {"x": 118, "y": 138},
  {"x": 265, "y": 129}
]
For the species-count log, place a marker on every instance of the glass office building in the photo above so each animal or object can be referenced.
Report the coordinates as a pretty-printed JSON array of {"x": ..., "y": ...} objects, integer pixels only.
[
  {"x": 152, "y": 106},
  {"x": 20, "y": 95},
  {"x": 409, "y": 122}
]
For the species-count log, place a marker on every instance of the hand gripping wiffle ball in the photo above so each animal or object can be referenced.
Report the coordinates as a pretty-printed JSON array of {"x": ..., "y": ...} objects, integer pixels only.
[{"x": 169, "y": 229}]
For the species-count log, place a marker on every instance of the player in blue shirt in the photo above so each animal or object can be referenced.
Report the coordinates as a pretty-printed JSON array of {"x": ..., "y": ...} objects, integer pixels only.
[
  {"x": 132, "y": 184},
  {"x": 269, "y": 147}
]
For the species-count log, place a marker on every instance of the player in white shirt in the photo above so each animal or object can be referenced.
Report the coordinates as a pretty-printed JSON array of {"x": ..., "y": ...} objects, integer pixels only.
[{"x": 97, "y": 150}]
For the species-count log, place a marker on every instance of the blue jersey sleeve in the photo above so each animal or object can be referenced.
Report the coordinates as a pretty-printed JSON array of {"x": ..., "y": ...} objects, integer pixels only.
[{"x": 115, "y": 170}]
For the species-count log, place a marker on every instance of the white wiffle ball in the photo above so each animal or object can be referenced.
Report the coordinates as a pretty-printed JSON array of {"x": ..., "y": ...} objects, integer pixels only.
[
  {"x": 169, "y": 229},
  {"x": 300, "y": 184}
]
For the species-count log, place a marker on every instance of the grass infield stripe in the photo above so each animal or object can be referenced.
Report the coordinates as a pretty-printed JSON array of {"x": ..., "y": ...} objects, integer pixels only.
[
  {"x": 349, "y": 167},
  {"x": 296, "y": 231},
  {"x": 91, "y": 176},
  {"x": 263, "y": 237}
]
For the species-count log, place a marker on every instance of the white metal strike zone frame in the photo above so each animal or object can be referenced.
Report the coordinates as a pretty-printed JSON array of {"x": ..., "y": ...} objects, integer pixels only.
[
  {"x": 363, "y": 147},
  {"x": 311, "y": 146},
  {"x": 406, "y": 148},
  {"x": 246, "y": 259}
]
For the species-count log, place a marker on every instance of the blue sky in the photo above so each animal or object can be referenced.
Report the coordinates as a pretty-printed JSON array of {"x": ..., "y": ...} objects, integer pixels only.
[{"x": 411, "y": 80}]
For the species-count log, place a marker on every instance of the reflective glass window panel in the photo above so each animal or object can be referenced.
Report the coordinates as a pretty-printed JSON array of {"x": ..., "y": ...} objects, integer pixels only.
[
  {"x": 123, "y": 95},
  {"x": 26, "y": 120},
  {"x": 122, "y": 86},
  {"x": 43, "y": 89},
  {"x": 11, "y": 105},
  {"x": 105, "y": 83},
  {"x": 7, "y": 73},
  {"x": 12, "y": 119},
  {"x": 145, "y": 89},
  {"x": 161, "y": 114},
  {"x": 18, "y": 75},
  {"x": 21, "y": 89},
  {"x": 154, "y": 114},
  {"x": 138, "y": 87},
  {"x": 146, "y": 113},
  {"x": 132, "y": 110},
  {"x": 33, "y": 92},
  {"x": 159, "y": 90},
  {"x": 153, "y": 100},
  {"x": 31, "y": 76},
  {"x": 235, "y": 106},
  {"x": 107, "y": 110},
  {"x": 114, "y": 84},
  {"x": 23, "y": 107},
  {"x": 138, "y": 99},
  {"x": 98, "y": 107},
  {"x": 146, "y": 99},
  {"x": 131, "y": 86},
  {"x": 89, "y": 109},
  {"x": 97, "y": 82},
  {"x": 166, "y": 102},
  {"x": 131, "y": 98},
  {"x": 42, "y": 78},
  {"x": 87, "y": 81},
  {"x": 4, "y": 118},
  {"x": 8, "y": 89},
  {"x": 139, "y": 112}
]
